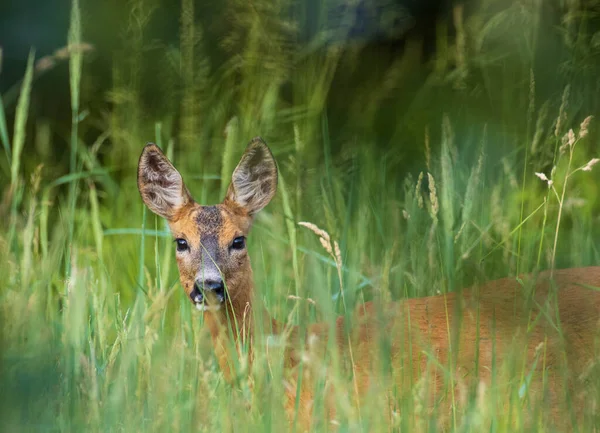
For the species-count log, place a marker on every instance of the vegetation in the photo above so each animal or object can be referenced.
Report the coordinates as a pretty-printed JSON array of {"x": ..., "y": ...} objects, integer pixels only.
[{"x": 431, "y": 173}]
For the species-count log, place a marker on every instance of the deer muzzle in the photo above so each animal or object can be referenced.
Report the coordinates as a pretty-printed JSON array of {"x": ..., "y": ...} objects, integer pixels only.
[{"x": 208, "y": 294}]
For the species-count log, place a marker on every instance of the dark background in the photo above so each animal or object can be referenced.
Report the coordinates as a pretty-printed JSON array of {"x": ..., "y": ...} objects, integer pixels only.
[
  {"x": 507, "y": 43},
  {"x": 382, "y": 29}
]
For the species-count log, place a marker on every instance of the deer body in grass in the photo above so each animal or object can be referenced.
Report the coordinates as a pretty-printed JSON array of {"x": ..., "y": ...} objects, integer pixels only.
[{"x": 552, "y": 328}]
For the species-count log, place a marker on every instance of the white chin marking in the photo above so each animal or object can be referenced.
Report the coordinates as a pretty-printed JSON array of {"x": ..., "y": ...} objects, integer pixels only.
[{"x": 204, "y": 307}]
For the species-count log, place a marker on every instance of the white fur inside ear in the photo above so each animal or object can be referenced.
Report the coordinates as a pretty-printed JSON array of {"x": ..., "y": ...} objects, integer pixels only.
[
  {"x": 161, "y": 184},
  {"x": 250, "y": 188},
  {"x": 167, "y": 185},
  {"x": 254, "y": 181}
]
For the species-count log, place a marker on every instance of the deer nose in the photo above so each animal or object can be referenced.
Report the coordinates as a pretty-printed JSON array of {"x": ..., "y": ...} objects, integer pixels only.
[{"x": 208, "y": 288}]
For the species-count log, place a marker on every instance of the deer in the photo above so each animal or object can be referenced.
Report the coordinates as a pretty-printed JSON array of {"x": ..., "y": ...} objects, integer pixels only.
[{"x": 551, "y": 327}]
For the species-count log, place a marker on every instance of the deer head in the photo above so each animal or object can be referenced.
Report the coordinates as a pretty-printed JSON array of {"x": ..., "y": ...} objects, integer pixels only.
[{"x": 214, "y": 266}]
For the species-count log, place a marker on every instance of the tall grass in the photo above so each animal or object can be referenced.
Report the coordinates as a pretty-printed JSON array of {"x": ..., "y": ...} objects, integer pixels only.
[{"x": 425, "y": 187}]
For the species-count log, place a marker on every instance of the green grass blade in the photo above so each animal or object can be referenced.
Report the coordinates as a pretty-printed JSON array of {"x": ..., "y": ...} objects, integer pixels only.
[
  {"x": 4, "y": 131},
  {"x": 75, "y": 62},
  {"x": 19, "y": 143},
  {"x": 21, "y": 121}
]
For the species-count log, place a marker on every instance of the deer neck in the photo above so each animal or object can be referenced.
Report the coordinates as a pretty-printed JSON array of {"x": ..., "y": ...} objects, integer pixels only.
[
  {"x": 231, "y": 327},
  {"x": 232, "y": 330}
]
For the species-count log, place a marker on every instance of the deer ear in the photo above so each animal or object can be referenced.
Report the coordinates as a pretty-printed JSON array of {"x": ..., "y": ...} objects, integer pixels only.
[
  {"x": 254, "y": 180},
  {"x": 160, "y": 184}
]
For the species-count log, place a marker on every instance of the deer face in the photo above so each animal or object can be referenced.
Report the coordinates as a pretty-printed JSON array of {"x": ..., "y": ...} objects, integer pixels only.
[{"x": 214, "y": 266}]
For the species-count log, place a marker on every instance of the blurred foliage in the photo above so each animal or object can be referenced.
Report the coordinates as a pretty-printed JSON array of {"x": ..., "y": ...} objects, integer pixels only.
[{"x": 373, "y": 68}]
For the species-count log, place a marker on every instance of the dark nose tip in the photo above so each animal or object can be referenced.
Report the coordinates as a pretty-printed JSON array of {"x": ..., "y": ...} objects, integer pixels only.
[
  {"x": 214, "y": 287},
  {"x": 196, "y": 294}
]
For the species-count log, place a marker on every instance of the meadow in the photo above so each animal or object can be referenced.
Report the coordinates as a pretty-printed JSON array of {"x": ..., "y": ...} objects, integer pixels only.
[{"x": 430, "y": 172}]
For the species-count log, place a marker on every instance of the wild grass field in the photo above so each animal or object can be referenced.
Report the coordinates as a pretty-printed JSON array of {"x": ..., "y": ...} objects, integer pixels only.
[{"x": 432, "y": 173}]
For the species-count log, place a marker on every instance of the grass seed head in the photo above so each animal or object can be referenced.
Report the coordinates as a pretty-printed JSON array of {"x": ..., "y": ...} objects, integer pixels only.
[
  {"x": 543, "y": 177},
  {"x": 418, "y": 190},
  {"x": 435, "y": 206},
  {"x": 584, "y": 127},
  {"x": 591, "y": 163}
]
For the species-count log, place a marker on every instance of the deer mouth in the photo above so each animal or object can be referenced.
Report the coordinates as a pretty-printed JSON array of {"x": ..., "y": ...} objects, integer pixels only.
[
  {"x": 208, "y": 300},
  {"x": 205, "y": 307}
]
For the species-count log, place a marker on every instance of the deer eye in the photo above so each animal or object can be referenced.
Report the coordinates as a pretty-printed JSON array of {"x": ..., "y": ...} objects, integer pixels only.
[
  {"x": 182, "y": 245},
  {"x": 238, "y": 243}
]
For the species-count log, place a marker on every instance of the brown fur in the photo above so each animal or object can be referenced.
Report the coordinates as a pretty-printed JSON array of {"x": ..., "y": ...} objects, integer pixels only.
[{"x": 549, "y": 322}]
